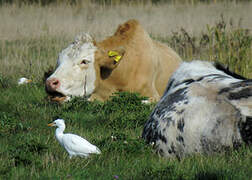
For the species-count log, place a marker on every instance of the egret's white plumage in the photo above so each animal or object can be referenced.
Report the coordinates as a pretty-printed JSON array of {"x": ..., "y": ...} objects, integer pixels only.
[
  {"x": 74, "y": 145},
  {"x": 24, "y": 80}
]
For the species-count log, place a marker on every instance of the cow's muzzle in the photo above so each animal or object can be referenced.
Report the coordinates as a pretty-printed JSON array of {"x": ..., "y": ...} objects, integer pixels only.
[{"x": 51, "y": 86}]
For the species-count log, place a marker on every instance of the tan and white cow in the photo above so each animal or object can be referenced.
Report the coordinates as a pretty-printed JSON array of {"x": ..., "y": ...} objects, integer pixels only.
[{"x": 127, "y": 61}]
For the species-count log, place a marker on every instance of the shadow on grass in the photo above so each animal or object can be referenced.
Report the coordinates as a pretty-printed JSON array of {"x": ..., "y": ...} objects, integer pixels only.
[{"x": 211, "y": 175}]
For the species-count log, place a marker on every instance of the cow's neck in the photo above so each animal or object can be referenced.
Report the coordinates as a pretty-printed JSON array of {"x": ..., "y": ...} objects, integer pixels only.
[{"x": 103, "y": 91}]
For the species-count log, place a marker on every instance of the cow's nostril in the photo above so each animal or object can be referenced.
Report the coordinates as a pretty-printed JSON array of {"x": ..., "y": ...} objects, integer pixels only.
[
  {"x": 55, "y": 82},
  {"x": 52, "y": 84}
]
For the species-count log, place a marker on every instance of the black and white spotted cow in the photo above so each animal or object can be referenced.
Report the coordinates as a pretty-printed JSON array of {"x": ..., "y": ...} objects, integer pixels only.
[{"x": 205, "y": 109}]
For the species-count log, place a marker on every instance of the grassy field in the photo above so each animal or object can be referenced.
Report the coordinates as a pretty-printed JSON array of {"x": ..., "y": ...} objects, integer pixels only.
[{"x": 31, "y": 37}]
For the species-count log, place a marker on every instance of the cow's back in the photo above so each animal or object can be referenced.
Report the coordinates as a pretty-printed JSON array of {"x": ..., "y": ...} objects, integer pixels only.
[
  {"x": 168, "y": 61},
  {"x": 146, "y": 65},
  {"x": 203, "y": 110}
]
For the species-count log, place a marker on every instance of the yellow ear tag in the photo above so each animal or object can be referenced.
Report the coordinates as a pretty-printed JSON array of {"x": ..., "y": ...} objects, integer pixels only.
[
  {"x": 117, "y": 58},
  {"x": 112, "y": 53}
]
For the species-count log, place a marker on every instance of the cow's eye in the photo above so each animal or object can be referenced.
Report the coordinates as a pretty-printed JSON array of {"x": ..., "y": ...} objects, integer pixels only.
[{"x": 84, "y": 61}]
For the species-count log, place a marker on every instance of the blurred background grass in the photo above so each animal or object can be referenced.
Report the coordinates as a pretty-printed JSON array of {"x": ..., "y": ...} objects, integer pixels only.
[
  {"x": 32, "y": 32},
  {"x": 62, "y": 19}
]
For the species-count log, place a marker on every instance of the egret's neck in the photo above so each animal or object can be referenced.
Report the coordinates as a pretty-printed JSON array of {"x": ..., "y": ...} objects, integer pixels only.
[{"x": 59, "y": 132}]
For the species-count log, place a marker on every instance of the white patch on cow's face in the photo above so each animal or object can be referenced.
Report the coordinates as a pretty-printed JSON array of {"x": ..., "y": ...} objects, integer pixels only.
[{"x": 75, "y": 69}]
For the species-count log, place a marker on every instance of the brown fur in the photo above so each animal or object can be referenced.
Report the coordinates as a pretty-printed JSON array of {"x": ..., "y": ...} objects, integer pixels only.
[{"x": 145, "y": 67}]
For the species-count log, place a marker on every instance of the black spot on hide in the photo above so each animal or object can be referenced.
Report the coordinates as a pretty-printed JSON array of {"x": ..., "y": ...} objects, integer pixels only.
[
  {"x": 189, "y": 81},
  {"x": 167, "y": 104},
  {"x": 151, "y": 133},
  {"x": 180, "y": 112},
  {"x": 159, "y": 136},
  {"x": 181, "y": 124},
  {"x": 181, "y": 140},
  {"x": 170, "y": 83},
  {"x": 224, "y": 90},
  {"x": 201, "y": 78},
  {"x": 152, "y": 130},
  {"x": 233, "y": 86},
  {"x": 207, "y": 146},
  {"x": 171, "y": 150},
  {"x": 240, "y": 84},
  {"x": 216, "y": 76},
  {"x": 236, "y": 142},
  {"x": 246, "y": 130},
  {"x": 161, "y": 152},
  {"x": 216, "y": 126},
  {"x": 244, "y": 93},
  {"x": 149, "y": 129}
]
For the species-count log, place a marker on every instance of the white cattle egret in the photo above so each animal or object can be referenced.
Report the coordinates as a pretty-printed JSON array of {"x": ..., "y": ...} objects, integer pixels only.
[
  {"x": 74, "y": 145},
  {"x": 24, "y": 80}
]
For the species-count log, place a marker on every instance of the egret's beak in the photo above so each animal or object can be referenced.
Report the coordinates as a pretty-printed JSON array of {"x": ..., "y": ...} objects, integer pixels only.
[
  {"x": 51, "y": 124},
  {"x": 29, "y": 80}
]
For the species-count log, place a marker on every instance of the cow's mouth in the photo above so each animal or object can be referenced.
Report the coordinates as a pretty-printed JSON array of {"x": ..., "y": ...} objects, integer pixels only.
[{"x": 57, "y": 96}]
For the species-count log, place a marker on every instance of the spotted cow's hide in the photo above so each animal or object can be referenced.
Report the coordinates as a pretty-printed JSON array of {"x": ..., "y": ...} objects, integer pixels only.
[{"x": 205, "y": 109}]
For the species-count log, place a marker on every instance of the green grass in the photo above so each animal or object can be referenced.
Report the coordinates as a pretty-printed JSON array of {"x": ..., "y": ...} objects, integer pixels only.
[{"x": 29, "y": 150}]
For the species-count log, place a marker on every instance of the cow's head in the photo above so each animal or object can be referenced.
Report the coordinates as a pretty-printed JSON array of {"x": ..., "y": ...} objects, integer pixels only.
[{"x": 80, "y": 67}]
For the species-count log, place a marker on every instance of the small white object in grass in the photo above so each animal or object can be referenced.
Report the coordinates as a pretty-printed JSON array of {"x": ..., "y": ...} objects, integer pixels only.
[
  {"x": 113, "y": 138},
  {"x": 74, "y": 144},
  {"x": 68, "y": 98},
  {"x": 24, "y": 80},
  {"x": 145, "y": 102}
]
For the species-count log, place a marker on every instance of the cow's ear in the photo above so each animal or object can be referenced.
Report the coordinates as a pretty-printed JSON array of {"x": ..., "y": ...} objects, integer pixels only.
[{"x": 114, "y": 57}]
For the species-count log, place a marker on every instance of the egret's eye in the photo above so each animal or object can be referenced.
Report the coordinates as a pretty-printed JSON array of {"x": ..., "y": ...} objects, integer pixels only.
[{"x": 84, "y": 61}]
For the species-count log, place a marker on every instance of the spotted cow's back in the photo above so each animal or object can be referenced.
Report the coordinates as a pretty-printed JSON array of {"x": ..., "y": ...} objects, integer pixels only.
[{"x": 204, "y": 109}]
